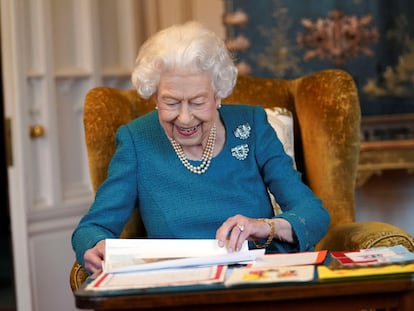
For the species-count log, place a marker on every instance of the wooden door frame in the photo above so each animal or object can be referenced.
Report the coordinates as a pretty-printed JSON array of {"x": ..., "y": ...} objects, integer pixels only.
[{"x": 13, "y": 98}]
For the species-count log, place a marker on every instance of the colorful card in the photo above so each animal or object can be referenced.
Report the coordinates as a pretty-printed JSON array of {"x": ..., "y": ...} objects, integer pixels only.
[
  {"x": 260, "y": 275},
  {"x": 158, "y": 278},
  {"x": 373, "y": 256}
]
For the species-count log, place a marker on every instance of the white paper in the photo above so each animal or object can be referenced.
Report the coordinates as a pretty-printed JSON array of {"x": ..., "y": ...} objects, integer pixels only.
[{"x": 131, "y": 255}]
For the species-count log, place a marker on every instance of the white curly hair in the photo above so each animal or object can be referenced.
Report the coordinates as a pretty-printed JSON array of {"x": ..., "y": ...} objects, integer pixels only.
[{"x": 188, "y": 46}]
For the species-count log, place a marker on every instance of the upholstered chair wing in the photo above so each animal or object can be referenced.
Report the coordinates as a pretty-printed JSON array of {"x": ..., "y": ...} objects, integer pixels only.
[
  {"x": 326, "y": 112},
  {"x": 326, "y": 117}
]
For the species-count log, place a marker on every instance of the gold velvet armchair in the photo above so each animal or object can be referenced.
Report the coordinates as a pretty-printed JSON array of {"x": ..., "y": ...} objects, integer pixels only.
[{"x": 326, "y": 116}]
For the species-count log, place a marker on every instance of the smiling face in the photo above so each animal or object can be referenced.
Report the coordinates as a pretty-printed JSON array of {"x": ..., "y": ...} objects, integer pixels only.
[{"x": 187, "y": 107}]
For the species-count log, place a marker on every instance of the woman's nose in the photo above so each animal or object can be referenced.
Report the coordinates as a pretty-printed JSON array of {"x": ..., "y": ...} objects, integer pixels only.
[{"x": 185, "y": 115}]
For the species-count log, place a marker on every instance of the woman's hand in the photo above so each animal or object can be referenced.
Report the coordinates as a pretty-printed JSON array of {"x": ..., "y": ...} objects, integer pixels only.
[
  {"x": 237, "y": 229},
  {"x": 93, "y": 258}
]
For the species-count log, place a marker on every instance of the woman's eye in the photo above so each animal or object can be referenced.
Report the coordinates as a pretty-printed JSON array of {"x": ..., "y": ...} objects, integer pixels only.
[
  {"x": 171, "y": 103},
  {"x": 197, "y": 103}
]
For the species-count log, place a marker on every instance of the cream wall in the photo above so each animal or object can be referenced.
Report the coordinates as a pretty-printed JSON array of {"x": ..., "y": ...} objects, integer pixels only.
[{"x": 163, "y": 13}]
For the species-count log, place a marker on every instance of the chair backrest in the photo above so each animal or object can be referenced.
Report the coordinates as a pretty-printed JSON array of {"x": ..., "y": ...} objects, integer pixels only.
[{"x": 326, "y": 113}]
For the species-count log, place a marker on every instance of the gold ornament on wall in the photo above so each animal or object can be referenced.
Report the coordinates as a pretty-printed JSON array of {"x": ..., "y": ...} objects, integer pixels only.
[{"x": 337, "y": 37}]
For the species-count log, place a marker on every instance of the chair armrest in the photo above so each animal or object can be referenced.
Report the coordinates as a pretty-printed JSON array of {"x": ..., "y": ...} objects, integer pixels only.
[
  {"x": 362, "y": 235},
  {"x": 78, "y": 276}
]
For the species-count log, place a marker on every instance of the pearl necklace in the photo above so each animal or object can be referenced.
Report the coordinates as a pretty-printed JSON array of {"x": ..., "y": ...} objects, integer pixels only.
[{"x": 206, "y": 157}]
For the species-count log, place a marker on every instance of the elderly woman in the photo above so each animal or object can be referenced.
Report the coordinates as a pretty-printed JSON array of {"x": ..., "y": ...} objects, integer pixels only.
[{"x": 196, "y": 168}]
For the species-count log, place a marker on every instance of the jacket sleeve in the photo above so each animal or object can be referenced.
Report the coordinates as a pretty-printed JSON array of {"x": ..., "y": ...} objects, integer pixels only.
[
  {"x": 300, "y": 207},
  {"x": 114, "y": 201}
]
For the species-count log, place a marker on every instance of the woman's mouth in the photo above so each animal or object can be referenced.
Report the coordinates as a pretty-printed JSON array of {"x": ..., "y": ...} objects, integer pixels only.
[{"x": 187, "y": 131}]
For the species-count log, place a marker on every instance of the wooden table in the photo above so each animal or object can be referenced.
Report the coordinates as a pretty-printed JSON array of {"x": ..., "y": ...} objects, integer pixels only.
[{"x": 385, "y": 294}]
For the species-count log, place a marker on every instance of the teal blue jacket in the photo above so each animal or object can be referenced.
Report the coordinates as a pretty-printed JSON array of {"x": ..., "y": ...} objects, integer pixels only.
[{"x": 146, "y": 173}]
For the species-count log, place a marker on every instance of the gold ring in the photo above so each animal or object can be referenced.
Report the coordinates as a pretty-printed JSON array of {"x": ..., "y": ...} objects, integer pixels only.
[{"x": 241, "y": 227}]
